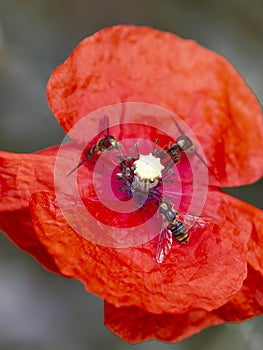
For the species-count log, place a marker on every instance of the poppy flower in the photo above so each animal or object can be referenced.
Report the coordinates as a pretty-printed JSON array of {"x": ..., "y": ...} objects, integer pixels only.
[{"x": 76, "y": 226}]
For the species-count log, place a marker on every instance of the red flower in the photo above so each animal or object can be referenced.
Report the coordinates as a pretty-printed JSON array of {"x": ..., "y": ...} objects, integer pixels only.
[{"x": 218, "y": 276}]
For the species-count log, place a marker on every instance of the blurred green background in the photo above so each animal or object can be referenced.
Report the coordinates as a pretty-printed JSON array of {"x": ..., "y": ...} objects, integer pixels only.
[{"x": 41, "y": 311}]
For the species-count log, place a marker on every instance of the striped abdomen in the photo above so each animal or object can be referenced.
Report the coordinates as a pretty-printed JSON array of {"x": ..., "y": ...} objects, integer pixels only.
[{"x": 179, "y": 231}]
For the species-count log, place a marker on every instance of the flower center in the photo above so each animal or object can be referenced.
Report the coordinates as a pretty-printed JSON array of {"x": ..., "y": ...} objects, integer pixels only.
[
  {"x": 141, "y": 177},
  {"x": 148, "y": 168}
]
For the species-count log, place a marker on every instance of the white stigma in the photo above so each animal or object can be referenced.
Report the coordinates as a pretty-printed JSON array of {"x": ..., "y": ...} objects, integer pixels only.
[{"x": 148, "y": 167}]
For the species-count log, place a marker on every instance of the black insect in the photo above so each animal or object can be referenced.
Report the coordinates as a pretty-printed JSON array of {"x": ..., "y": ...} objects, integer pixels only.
[
  {"x": 183, "y": 144},
  {"x": 106, "y": 143},
  {"x": 174, "y": 226}
]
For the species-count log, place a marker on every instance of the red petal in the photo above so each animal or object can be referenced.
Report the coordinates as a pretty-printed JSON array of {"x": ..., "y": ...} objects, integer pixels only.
[
  {"x": 20, "y": 176},
  {"x": 23, "y": 174},
  {"x": 17, "y": 225},
  {"x": 190, "y": 277},
  {"x": 255, "y": 246},
  {"x": 128, "y": 63},
  {"x": 133, "y": 324},
  {"x": 248, "y": 302},
  {"x": 247, "y": 218}
]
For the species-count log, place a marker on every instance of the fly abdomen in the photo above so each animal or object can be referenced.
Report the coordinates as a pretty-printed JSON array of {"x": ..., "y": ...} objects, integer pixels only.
[{"x": 180, "y": 232}]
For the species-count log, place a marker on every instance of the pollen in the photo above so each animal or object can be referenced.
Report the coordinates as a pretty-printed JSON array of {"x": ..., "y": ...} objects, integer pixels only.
[{"x": 148, "y": 167}]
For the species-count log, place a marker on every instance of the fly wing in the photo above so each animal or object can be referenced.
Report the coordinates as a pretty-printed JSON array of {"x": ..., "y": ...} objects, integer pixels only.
[
  {"x": 79, "y": 165},
  {"x": 104, "y": 126},
  {"x": 164, "y": 244},
  {"x": 195, "y": 221},
  {"x": 177, "y": 124}
]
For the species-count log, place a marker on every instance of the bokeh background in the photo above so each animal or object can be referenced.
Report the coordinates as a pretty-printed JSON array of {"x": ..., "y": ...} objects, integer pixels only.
[{"x": 41, "y": 311}]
